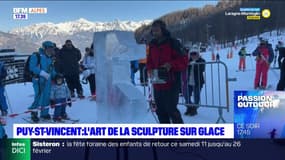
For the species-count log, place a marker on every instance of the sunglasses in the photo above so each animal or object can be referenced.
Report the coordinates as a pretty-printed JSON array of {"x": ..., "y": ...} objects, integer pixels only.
[{"x": 193, "y": 53}]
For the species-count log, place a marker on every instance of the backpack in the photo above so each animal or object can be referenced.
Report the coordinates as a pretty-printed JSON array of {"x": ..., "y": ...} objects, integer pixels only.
[{"x": 28, "y": 75}]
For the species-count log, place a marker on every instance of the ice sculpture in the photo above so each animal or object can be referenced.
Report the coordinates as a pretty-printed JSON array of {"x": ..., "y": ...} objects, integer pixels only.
[{"x": 118, "y": 100}]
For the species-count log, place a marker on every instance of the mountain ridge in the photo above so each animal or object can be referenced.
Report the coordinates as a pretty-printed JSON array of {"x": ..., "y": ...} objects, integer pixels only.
[{"x": 80, "y": 31}]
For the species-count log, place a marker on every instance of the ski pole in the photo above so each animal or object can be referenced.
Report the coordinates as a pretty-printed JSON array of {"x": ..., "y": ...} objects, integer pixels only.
[
  {"x": 40, "y": 108},
  {"x": 252, "y": 66}
]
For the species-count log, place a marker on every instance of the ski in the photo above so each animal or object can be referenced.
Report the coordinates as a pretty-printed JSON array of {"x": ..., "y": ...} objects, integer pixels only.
[
  {"x": 77, "y": 98},
  {"x": 72, "y": 121},
  {"x": 29, "y": 120}
]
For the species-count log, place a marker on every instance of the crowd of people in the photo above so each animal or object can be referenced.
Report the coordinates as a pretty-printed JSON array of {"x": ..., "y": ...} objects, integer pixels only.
[
  {"x": 181, "y": 70},
  {"x": 56, "y": 74},
  {"x": 51, "y": 67},
  {"x": 167, "y": 57}
]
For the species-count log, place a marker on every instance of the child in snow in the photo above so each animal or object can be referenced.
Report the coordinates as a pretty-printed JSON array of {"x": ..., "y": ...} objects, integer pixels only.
[
  {"x": 59, "y": 97},
  {"x": 195, "y": 80}
]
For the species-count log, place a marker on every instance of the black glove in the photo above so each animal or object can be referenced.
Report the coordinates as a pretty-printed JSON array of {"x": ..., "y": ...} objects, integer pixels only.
[
  {"x": 69, "y": 103},
  {"x": 52, "y": 103}
]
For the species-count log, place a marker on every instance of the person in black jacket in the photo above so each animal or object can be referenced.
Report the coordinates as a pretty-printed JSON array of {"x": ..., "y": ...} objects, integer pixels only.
[
  {"x": 281, "y": 83},
  {"x": 69, "y": 58},
  {"x": 195, "y": 80},
  {"x": 279, "y": 46}
]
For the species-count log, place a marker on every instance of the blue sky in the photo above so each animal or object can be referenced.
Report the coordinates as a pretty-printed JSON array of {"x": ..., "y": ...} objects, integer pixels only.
[{"x": 61, "y": 11}]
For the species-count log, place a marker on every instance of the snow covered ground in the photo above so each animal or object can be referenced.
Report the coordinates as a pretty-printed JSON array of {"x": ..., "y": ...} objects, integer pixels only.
[{"x": 20, "y": 96}]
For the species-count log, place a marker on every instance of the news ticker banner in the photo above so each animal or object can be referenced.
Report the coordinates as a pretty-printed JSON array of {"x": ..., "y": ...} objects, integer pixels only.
[
  {"x": 124, "y": 131},
  {"x": 259, "y": 114},
  {"x": 140, "y": 149}
]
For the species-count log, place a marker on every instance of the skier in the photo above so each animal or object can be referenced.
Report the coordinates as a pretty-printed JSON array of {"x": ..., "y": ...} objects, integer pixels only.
[
  {"x": 273, "y": 133},
  {"x": 264, "y": 56},
  {"x": 281, "y": 83},
  {"x": 3, "y": 103},
  {"x": 280, "y": 56},
  {"x": 89, "y": 64},
  {"x": 242, "y": 55},
  {"x": 167, "y": 59},
  {"x": 69, "y": 58},
  {"x": 43, "y": 73},
  {"x": 195, "y": 80},
  {"x": 218, "y": 57},
  {"x": 59, "y": 95}
]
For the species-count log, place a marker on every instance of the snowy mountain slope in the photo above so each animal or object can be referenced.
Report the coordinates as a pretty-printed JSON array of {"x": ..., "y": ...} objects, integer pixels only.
[
  {"x": 79, "y": 31},
  {"x": 68, "y": 28},
  {"x": 20, "y": 98},
  {"x": 21, "y": 45}
]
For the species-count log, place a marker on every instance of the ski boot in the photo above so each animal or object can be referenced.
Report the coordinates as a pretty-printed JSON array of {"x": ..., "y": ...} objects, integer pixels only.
[
  {"x": 72, "y": 94},
  {"x": 4, "y": 113},
  {"x": 46, "y": 117},
  {"x": 34, "y": 117},
  {"x": 80, "y": 95},
  {"x": 57, "y": 119},
  {"x": 65, "y": 117},
  {"x": 191, "y": 111}
]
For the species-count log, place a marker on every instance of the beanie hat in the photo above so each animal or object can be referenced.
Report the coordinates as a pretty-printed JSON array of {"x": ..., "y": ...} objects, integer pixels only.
[
  {"x": 195, "y": 49},
  {"x": 47, "y": 44}
]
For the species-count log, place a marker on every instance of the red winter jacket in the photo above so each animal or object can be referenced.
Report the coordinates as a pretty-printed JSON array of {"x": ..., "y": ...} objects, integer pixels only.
[{"x": 166, "y": 51}]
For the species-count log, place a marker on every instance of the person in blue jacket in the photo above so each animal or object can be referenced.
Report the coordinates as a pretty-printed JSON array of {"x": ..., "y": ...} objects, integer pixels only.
[
  {"x": 43, "y": 73},
  {"x": 3, "y": 102}
]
